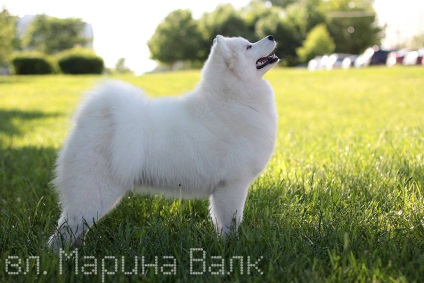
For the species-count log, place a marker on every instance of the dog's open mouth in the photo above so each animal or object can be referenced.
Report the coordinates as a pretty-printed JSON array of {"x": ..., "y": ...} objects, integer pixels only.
[{"x": 262, "y": 62}]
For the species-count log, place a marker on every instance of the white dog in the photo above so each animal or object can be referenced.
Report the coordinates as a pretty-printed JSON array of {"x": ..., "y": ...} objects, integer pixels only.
[{"x": 212, "y": 142}]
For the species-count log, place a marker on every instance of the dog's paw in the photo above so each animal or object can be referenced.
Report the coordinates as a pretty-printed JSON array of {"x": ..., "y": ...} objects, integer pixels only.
[{"x": 55, "y": 243}]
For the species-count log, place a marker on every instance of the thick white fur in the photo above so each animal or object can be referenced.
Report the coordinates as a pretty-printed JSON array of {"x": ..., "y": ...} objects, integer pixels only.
[{"x": 212, "y": 142}]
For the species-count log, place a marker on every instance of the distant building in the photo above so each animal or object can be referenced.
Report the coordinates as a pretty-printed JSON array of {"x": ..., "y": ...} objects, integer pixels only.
[{"x": 88, "y": 33}]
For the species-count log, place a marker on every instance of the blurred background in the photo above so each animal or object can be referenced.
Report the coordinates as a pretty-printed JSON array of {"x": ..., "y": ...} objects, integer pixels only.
[{"x": 129, "y": 36}]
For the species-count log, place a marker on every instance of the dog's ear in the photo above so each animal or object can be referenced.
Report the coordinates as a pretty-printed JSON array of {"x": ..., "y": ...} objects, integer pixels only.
[
  {"x": 222, "y": 46},
  {"x": 219, "y": 40}
]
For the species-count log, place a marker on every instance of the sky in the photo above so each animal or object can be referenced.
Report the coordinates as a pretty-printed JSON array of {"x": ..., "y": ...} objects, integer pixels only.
[
  {"x": 121, "y": 28},
  {"x": 404, "y": 19}
]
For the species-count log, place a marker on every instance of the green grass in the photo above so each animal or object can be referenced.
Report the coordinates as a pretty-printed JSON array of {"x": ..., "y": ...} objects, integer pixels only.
[{"x": 341, "y": 200}]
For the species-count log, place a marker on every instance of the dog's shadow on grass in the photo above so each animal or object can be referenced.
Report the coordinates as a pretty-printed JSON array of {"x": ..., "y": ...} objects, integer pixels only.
[{"x": 10, "y": 119}]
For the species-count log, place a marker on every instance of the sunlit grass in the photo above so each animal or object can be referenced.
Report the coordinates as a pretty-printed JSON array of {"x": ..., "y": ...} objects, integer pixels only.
[{"x": 341, "y": 200}]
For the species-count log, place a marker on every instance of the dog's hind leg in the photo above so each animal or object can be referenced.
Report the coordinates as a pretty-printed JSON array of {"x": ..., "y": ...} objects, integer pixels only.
[
  {"x": 87, "y": 190},
  {"x": 81, "y": 212}
]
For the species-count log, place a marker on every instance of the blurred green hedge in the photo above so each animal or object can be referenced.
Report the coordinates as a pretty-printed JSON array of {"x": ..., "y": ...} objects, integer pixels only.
[
  {"x": 72, "y": 61},
  {"x": 32, "y": 63},
  {"x": 80, "y": 61}
]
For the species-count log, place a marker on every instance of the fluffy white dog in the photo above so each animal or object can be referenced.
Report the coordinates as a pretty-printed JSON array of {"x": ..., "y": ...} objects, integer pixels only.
[{"x": 212, "y": 142}]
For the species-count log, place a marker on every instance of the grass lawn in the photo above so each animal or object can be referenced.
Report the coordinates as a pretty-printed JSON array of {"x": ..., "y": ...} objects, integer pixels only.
[{"x": 341, "y": 200}]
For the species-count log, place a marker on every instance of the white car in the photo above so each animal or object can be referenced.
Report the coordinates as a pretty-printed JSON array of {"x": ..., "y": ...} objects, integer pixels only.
[{"x": 413, "y": 57}]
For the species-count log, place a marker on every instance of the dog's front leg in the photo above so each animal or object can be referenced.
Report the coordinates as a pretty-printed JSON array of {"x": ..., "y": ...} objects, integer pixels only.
[{"x": 226, "y": 207}]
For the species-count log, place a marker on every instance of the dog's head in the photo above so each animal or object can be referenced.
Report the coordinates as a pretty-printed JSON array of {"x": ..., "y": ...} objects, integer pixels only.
[{"x": 243, "y": 58}]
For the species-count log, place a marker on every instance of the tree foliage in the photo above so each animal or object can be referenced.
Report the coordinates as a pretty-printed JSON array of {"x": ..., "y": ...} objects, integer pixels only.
[
  {"x": 280, "y": 3},
  {"x": 224, "y": 20},
  {"x": 51, "y": 35},
  {"x": 352, "y": 25},
  {"x": 180, "y": 37},
  {"x": 417, "y": 41},
  {"x": 318, "y": 42},
  {"x": 271, "y": 23},
  {"x": 176, "y": 38},
  {"x": 121, "y": 68},
  {"x": 8, "y": 35}
]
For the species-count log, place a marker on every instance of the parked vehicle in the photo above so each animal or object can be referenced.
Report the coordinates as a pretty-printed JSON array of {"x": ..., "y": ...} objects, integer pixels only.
[
  {"x": 379, "y": 57},
  {"x": 372, "y": 56},
  {"x": 338, "y": 60},
  {"x": 318, "y": 63},
  {"x": 314, "y": 63},
  {"x": 396, "y": 57},
  {"x": 360, "y": 61},
  {"x": 414, "y": 57},
  {"x": 333, "y": 61},
  {"x": 349, "y": 61}
]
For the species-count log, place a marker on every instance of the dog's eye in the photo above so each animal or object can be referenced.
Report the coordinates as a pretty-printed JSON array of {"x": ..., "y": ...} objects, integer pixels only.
[{"x": 248, "y": 47}]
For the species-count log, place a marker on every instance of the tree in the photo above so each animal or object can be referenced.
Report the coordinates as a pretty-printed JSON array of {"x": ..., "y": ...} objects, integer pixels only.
[
  {"x": 265, "y": 20},
  {"x": 289, "y": 24},
  {"x": 305, "y": 15},
  {"x": 8, "y": 35},
  {"x": 51, "y": 35},
  {"x": 280, "y": 3},
  {"x": 224, "y": 20},
  {"x": 120, "y": 67},
  {"x": 261, "y": 19},
  {"x": 176, "y": 38},
  {"x": 285, "y": 34},
  {"x": 314, "y": 13},
  {"x": 417, "y": 41},
  {"x": 318, "y": 42},
  {"x": 352, "y": 24}
]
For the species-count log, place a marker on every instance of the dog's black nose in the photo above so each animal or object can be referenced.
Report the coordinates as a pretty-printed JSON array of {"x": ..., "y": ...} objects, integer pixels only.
[{"x": 270, "y": 37}]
